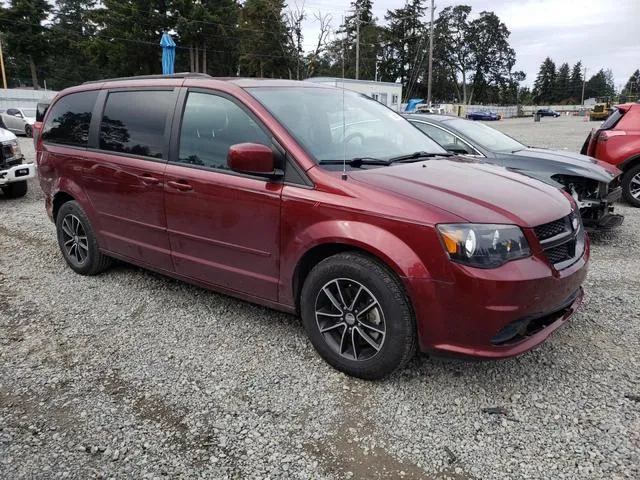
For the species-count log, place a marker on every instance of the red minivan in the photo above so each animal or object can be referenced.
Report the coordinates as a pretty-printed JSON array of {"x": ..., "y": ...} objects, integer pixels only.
[{"x": 315, "y": 201}]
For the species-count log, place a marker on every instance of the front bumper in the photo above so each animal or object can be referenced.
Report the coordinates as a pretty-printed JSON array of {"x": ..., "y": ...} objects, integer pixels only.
[
  {"x": 17, "y": 173},
  {"x": 466, "y": 317}
]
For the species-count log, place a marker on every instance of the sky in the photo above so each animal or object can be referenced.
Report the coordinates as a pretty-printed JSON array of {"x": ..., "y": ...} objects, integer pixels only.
[{"x": 603, "y": 34}]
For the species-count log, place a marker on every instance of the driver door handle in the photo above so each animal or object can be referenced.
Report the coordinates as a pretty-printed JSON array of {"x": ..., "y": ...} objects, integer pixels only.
[
  {"x": 181, "y": 185},
  {"x": 149, "y": 180}
]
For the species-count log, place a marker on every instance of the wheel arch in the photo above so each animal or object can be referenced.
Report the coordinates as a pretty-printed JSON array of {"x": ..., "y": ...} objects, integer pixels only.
[
  {"x": 59, "y": 199},
  {"x": 629, "y": 163},
  {"x": 392, "y": 253}
]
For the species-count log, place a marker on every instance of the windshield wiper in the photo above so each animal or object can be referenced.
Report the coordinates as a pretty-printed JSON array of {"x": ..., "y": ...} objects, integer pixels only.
[
  {"x": 356, "y": 162},
  {"x": 417, "y": 155}
]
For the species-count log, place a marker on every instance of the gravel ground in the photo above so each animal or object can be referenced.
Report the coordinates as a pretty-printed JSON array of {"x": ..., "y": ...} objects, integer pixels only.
[{"x": 133, "y": 375}]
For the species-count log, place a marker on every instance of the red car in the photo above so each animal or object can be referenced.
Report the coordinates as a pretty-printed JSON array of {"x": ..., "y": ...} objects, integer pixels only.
[
  {"x": 617, "y": 141},
  {"x": 316, "y": 201}
]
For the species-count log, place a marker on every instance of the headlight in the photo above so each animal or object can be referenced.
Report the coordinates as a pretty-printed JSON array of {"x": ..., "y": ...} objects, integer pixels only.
[
  {"x": 483, "y": 245},
  {"x": 15, "y": 148}
]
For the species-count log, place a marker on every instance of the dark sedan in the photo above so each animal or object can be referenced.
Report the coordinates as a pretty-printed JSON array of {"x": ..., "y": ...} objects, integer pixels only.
[
  {"x": 593, "y": 184},
  {"x": 485, "y": 115},
  {"x": 547, "y": 112}
]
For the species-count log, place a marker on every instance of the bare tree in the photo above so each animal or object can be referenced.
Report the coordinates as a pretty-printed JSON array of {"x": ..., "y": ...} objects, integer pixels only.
[
  {"x": 325, "y": 28},
  {"x": 294, "y": 18}
]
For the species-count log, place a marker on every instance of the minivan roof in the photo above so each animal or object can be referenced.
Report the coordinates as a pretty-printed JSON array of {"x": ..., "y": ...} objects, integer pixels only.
[{"x": 243, "y": 82}]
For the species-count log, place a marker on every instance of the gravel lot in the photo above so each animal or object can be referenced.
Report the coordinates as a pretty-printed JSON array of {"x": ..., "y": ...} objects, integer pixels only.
[{"x": 133, "y": 375}]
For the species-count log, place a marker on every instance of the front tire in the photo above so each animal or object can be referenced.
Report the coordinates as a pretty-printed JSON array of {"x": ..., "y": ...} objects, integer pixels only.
[
  {"x": 15, "y": 189},
  {"x": 78, "y": 242},
  {"x": 28, "y": 131},
  {"x": 631, "y": 186},
  {"x": 357, "y": 316}
]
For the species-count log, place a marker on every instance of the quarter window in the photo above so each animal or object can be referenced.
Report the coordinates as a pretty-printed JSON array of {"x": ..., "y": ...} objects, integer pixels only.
[
  {"x": 133, "y": 122},
  {"x": 210, "y": 125},
  {"x": 68, "y": 123}
]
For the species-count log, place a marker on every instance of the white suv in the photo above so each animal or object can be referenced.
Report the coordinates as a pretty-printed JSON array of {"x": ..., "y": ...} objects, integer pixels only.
[{"x": 13, "y": 172}]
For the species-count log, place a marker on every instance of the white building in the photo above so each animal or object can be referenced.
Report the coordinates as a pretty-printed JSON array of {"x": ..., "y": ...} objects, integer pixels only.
[{"x": 387, "y": 93}]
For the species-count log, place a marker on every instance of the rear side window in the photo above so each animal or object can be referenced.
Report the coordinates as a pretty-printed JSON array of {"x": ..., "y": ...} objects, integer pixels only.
[
  {"x": 41, "y": 111},
  {"x": 134, "y": 122},
  {"x": 68, "y": 123},
  {"x": 612, "y": 119}
]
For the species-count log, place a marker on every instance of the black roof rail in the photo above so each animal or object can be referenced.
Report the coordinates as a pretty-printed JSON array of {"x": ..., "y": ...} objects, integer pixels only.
[{"x": 151, "y": 77}]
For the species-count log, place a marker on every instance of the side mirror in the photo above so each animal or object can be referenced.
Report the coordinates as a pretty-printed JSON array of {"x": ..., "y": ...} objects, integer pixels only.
[
  {"x": 18, "y": 114},
  {"x": 252, "y": 158},
  {"x": 458, "y": 149}
]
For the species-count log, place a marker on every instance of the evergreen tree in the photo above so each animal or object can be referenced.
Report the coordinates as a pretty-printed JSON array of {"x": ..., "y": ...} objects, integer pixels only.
[
  {"x": 631, "y": 90},
  {"x": 405, "y": 49},
  {"x": 71, "y": 35},
  {"x": 543, "y": 87},
  {"x": 128, "y": 36},
  {"x": 563, "y": 84},
  {"x": 26, "y": 40},
  {"x": 576, "y": 82},
  {"x": 265, "y": 47},
  {"x": 600, "y": 86}
]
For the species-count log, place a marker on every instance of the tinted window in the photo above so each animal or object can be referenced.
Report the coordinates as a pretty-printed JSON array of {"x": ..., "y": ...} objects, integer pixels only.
[
  {"x": 69, "y": 120},
  {"x": 134, "y": 122},
  {"x": 41, "y": 111},
  {"x": 12, "y": 111},
  {"x": 210, "y": 125},
  {"x": 612, "y": 119}
]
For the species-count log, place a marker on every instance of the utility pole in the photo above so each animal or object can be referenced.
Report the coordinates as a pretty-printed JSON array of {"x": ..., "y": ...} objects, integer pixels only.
[
  {"x": 4, "y": 77},
  {"x": 433, "y": 7},
  {"x": 357, "y": 42},
  {"x": 584, "y": 81}
]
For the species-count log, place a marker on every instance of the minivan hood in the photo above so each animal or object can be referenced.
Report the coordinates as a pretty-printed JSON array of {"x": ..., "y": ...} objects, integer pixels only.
[
  {"x": 560, "y": 162},
  {"x": 476, "y": 192}
]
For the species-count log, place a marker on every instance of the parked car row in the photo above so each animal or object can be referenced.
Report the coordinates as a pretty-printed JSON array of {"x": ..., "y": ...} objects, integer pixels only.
[{"x": 324, "y": 203}]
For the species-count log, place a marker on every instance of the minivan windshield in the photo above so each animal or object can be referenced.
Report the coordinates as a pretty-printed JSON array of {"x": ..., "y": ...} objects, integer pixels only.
[
  {"x": 485, "y": 136},
  {"x": 334, "y": 124}
]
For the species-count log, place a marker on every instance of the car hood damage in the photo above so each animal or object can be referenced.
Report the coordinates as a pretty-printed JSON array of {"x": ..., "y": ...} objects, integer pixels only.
[
  {"x": 546, "y": 163},
  {"x": 477, "y": 192}
]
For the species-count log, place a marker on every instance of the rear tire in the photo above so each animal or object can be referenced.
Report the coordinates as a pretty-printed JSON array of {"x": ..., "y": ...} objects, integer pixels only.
[
  {"x": 365, "y": 311},
  {"x": 631, "y": 186},
  {"x": 15, "y": 189},
  {"x": 78, "y": 242},
  {"x": 28, "y": 131}
]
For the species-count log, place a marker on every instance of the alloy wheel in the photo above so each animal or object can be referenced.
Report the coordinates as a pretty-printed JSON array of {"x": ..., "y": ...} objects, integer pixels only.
[
  {"x": 350, "y": 319},
  {"x": 634, "y": 186},
  {"x": 74, "y": 239}
]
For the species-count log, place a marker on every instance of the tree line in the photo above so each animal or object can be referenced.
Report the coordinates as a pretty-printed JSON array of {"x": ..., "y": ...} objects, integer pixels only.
[
  {"x": 71, "y": 41},
  {"x": 568, "y": 86}
]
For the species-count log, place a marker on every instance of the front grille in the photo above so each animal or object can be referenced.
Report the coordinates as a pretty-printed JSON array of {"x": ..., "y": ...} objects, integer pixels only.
[
  {"x": 562, "y": 243},
  {"x": 551, "y": 229},
  {"x": 561, "y": 252}
]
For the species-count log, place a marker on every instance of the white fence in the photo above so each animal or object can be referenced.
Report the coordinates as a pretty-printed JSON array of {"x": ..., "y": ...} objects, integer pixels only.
[
  {"x": 511, "y": 110},
  {"x": 23, "y": 98}
]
